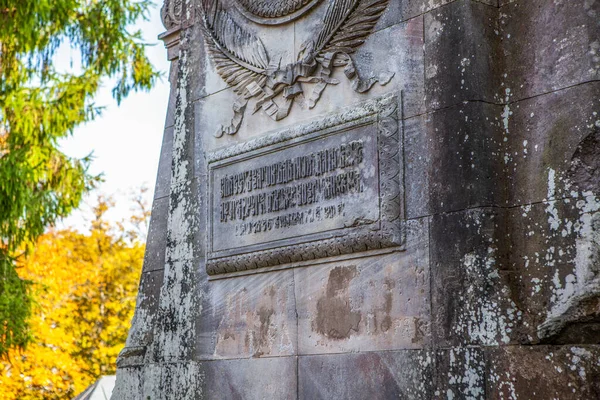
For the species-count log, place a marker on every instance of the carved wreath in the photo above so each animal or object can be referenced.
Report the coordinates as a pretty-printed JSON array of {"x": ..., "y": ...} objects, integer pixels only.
[{"x": 242, "y": 61}]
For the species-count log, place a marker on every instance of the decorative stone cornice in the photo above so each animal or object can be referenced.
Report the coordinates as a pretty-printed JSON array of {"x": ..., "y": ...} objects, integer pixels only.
[{"x": 171, "y": 14}]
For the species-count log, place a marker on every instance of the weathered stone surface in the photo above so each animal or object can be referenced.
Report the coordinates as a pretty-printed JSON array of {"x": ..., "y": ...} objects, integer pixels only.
[
  {"x": 161, "y": 381},
  {"x": 376, "y": 303},
  {"x": 555, "y": 248},
  {"x": 543, "y": 372},
  {"x": 542, "y": 135},
  {"x": 264, "y": 378},
  {"x": 460, "y": 373},
  {"x": 549, "y": 45},
  {"x": 144, "y": 319},
  {"x": 163, "y": 176},
  {"x": 584, "y": 171},
  {"x": 454, "y": 160},
  {"x": 461, "y": 54},
  {"x": 156, "y": 244},
  {"x": 418, "y": 161},
  {"x": 399, "y": 11},
  {"x": 129, "y": 384},
  {"x": 173, "y": 72},
  {"x": 472, "y": 294},
  {"x": 404, "y": 374},
  {"x": 175, "y": 381},
  {"x": 497, "y": 194},
  {"x": 252, "y": 317}
]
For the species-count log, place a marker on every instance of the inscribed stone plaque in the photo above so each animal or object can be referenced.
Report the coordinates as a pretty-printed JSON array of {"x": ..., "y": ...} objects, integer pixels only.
[{"x": 327, "y": 188}]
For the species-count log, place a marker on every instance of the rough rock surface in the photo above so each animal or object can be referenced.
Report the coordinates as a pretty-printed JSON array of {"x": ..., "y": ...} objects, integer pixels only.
[{"x": 489, "y": 284}]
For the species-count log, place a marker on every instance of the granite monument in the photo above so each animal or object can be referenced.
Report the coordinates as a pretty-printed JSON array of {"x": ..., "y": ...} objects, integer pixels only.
[{"x": 374, "y": 199}]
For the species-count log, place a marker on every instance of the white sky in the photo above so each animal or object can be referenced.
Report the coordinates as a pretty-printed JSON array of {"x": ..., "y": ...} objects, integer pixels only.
[{"x": 124, "y": 140}]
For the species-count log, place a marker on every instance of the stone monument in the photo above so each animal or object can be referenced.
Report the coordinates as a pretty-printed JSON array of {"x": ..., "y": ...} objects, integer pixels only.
[{"x": 374, "y": 199}]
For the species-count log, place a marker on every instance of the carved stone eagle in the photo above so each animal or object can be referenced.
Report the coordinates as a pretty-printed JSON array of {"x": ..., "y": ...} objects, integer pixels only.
[{"x": 242, "y": 60}]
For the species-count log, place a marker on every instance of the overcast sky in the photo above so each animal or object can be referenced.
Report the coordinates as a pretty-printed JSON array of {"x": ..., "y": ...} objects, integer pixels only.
[{"x": 125, "y": 140}]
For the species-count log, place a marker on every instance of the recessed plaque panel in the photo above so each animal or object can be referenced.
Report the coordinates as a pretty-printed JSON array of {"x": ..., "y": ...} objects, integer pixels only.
[
  {"x": 302, "y": 189},
  {"x": 331, "y": 187}
]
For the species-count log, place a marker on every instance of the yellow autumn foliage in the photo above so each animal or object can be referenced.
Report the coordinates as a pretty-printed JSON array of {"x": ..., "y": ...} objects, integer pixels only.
[{"x": 85, "y": 289}]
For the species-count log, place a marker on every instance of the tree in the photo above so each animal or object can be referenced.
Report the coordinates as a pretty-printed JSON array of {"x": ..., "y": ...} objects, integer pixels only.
[
  {"x": 85, "y": 295},
  {"x": 40, "y": 105}
]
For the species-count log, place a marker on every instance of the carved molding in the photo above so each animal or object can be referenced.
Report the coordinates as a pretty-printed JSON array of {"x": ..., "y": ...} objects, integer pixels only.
[
  {"x": 171, "y": 13},
  {"x": 242, "y": 60},
  {"x": 274, "y": 12},
  {"x": 385, "y": 233},
  {"x": 348, "y": 115}
]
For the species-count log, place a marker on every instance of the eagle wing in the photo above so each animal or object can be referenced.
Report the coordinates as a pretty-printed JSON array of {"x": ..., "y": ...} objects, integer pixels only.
[
  {"x": 240, "y": 58},
  {"x": 347, "y": 25}
]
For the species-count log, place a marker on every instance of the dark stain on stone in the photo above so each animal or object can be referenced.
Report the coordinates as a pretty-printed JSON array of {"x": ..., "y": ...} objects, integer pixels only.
[
  {"x": 335, "y": 319},
  {"x": 386, "y": 323},
  {"x": 419, "y": 334},
  {"x": 247, "y": 340},
  {"x": 375, "y": 371},
  {"x": 262, "y": 342},
  {"x": 339, "y": 280}
]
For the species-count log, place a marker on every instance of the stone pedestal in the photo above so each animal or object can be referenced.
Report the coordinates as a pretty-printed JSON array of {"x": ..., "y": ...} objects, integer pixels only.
[{"x": 371, "y": 199}]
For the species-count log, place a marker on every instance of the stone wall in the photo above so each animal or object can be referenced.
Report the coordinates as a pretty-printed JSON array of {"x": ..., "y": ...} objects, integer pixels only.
[{"x": 489, "y": 284}]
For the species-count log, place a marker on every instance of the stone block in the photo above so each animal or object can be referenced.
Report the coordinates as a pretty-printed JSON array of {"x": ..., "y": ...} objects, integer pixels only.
[
  {"x": 472, "y": 290},
  {"x": 543, "y": 372},
  {"x": 460, "y": 373},
  {"x": 254, "y": 379},
  {"x": 395, "y": 50},
  {"x": 406, "y": 374},
  {"x": 418, "y": 160},
  {"x": 129, "y": 384},
  {"x": 540, "y": 59},
  {"x": 457, "y": 160},
  {"x": 202, "y": 75},
  {"x": 462, "y": 60},
  {"x": 177, "y": 315},
  {"x": 367, "y": 304},
  {"x": 182, "y": 156},
  {"x": 453, "y": 160},
  {"x": 183, "y": 226},
  {"x": 154, "y": 256},
  {"x": 163, "y": 176},
  {"x": 143, "y": 322},
  {"x": 251, "y": 316},
  {"x": 173, "y": 74},
  {"x": 399, "y": 11},
  {"x": 555, "y": 248},
  {"x": 542, "y": 137},
  {"x": 183, "y": 380}
]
